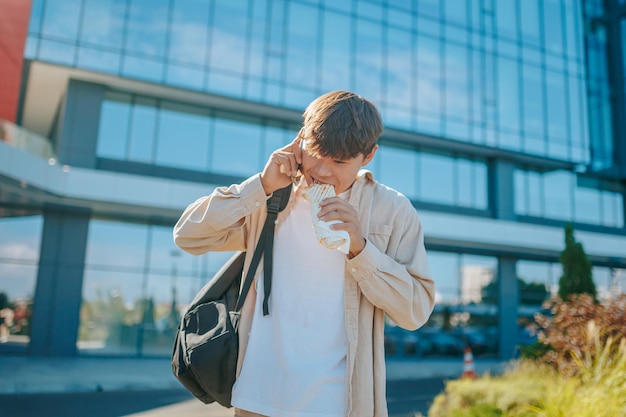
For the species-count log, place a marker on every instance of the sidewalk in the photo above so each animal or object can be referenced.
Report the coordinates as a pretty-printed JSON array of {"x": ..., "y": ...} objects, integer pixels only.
[{"x": 24, "y": 374}]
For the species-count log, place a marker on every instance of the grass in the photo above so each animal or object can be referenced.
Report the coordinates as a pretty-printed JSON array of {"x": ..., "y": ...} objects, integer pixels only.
[{"x": 533, "y": 389}]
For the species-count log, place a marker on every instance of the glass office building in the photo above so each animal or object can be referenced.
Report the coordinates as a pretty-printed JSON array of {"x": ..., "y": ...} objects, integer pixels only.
[{"x": 504, "y": 120}]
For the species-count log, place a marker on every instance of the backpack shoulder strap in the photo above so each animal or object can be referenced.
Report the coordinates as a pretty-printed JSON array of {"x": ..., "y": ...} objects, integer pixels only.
[{"x": 265, "y": 247}]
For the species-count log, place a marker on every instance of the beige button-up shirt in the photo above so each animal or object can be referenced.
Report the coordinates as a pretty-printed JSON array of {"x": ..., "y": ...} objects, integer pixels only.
[{"x": 390, "y": 276}]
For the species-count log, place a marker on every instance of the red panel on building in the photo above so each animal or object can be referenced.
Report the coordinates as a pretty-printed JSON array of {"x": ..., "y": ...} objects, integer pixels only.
[{"x": 14, "y": 16}]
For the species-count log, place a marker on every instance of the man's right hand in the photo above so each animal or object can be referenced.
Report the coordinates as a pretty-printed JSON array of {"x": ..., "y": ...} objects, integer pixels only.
[{"x": 281, "y": 166}]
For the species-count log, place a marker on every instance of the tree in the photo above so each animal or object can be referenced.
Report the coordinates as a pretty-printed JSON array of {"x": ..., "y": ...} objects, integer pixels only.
[
  {"x": 4, "y": 300},
  {"x": 577, "y": 275},
  {"x": 532, "y": 293}
]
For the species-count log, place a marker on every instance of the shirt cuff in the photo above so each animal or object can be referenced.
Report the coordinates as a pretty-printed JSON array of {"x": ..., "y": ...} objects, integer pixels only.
[
  {"x": 252, "y": 193},
  {"x": 364, "y": 264}
]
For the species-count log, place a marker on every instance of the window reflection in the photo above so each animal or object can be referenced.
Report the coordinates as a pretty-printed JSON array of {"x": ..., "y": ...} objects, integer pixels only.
[
  {"x": 301, "y": 62},
  {"x": 465, "y": 311},
  {"x": 114, "y": 125},
  {"x": 61, "y": 21},
  {"x": 437, "y": 179},
  {"x": 142, "y": 130},
  {"x": 432, "y": 178},
  {"x": 416, "y": 67},
  {"x": 559, "y": 195},
  {"x": 166, "y": 133},
  {"x": 398, "y": 168},
  {"x": 235, "y": 136},
  {"x": 147, "y": 27},
  {"x": 368, "y": 68},
  {"x": 335, "y": 68},
  {"x": 609, "y": 282},
  {"x": 136, "y": 285},
  {"x": 20, "y": 239},
  {"x": 188, "y": 32},
  {"x": 106, "y": 26},
  {"x": 98, "y": 60},
  {"x": 537, "y": 281},
  {"x": 183, "y": 137}
]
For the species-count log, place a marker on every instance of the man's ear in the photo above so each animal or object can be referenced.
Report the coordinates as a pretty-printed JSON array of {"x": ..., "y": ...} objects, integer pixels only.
[{"x": 369, "y": 157}]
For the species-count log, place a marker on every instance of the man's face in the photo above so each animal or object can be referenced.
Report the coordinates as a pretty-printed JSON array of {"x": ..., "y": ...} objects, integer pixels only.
[{"x": 327, "y": 170}]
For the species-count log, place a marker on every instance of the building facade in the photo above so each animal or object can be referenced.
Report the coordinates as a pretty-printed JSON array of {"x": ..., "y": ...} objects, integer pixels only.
[{"x": 504, "y": 121}]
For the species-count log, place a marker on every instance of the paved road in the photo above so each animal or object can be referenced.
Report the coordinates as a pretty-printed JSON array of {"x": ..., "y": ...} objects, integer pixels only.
[{"x": 404, "y": 398}]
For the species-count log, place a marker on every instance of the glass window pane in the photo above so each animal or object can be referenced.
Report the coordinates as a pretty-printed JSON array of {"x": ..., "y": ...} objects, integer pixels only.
[
  {"x": 463, "y": 314},
  {"x": 508, "y": 97},
  {"x": 553, "y": 26},
  {"x": 429, "y": 76},
  {"x": 165, "y": 257},
  {"x": 557, "y": 195},
  {"x": 587, "y": 205},
  {"x": 142, "y": 130},
  {"x": 533, "y": 99},
  {"x": 480, "y": 184},
  {"x": 111, "y": 312},
  {"x": 20, "y": 238},
  {"x": 275, "y": 138},
  {"x": 116, "y": 245},
  {"x": 535, "y": 194},
  {"x": 397, "y": 168},
  {"x": 537, "y": 281},
  {"x": 368, "y": 67},
  {"x": 477, "y": 272},
  {"x": 189, "y": 32},
  {"x": 147, "y": 27},
  {"x": 465, "y": 180},
  {"x": 603, "y": 280},
  {"x": 60, "y": 21},
  {"x": 113, "y": 127},
  {"x": 103, "y": 23},
  {"x": 228, "y": 43},
  {"x": 58, "y": 52},
  {"x": 183, "y": 137},
  {"x": 236, "y": 147},
  {"x": 437, "y": 179},
  {"x": 301, "y": 42},
  {"x": 557, "y": 117},
  {"x": 184, "y": 76},
  {"x": 17, "y": 290},
  {"x": 456, "y": 83},
  {"x": 36, "y": 13},
  {"x": 335, "y": 69},
  {"x": 521, "y": 203},
  {"x": 445, "y": 266},
  {"x": 98, "y": 60},
  {"x": 399, "y": 79},
  {"x": 506, "y": 18},
  {"x": 529, "y": 20},
  {"x": 614, "y": 209},
  {"x": 143, "y": 68}
]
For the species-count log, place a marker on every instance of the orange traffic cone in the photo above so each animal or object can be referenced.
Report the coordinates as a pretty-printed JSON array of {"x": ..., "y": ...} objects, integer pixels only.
[{"x": 468, "y": 364}]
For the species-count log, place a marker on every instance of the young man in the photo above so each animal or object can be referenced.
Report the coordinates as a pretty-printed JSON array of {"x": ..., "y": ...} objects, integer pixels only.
[{"x": 320, "y": 351}]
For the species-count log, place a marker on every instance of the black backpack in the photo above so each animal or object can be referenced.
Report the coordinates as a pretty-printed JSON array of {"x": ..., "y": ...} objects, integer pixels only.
[{"x": 204, "y": 357}]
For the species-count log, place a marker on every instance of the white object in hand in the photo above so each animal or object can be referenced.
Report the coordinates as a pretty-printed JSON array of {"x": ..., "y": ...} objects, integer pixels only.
[{"x": 331, "y": 239}]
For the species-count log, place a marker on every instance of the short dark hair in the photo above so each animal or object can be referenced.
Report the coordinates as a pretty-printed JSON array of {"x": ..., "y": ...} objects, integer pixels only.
[{"x": 341, "y": 125}]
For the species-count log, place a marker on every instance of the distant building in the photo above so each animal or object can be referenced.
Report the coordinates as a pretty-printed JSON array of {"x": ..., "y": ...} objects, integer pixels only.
[{"x": 474, "y": 279}]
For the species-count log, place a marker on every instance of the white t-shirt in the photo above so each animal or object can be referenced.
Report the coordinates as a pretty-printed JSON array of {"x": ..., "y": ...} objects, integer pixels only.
[{"x": 295, "y": 362}]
